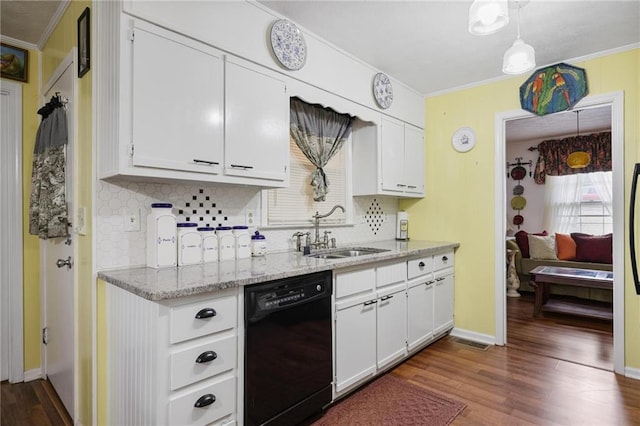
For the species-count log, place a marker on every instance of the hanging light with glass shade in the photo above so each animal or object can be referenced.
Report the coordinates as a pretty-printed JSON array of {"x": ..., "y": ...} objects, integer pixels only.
[
  {"x": 520, "y": 57},
  {"x": 578, "y": 159},
  {"x": 488, "y": 16}
]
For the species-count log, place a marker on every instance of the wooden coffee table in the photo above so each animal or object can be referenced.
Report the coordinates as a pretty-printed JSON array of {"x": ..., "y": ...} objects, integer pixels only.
[{"x": 543, "y": 276}]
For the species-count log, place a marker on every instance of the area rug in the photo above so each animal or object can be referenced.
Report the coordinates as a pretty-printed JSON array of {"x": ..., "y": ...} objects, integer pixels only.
[{"x": 391, "y": 401}]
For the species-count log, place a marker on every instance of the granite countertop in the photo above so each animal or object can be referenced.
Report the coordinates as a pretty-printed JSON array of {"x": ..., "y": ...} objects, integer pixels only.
[{"x": 171, "y": 283}]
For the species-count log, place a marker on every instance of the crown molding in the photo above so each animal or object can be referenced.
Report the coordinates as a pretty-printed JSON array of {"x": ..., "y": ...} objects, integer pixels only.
[
  {"x": 53, "y": 23},
  {"x": 18, "y": 43}
]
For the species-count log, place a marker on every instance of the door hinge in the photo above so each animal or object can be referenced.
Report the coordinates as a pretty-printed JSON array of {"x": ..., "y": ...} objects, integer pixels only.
[
  {"x": 45, "y": 335},
  {"x": 131, "y": 148},
  {"x": 132, "y": 36}
]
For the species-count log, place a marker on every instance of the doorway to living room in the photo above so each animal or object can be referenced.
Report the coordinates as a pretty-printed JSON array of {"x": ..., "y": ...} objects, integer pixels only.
[{"x": 573, "y": 338}]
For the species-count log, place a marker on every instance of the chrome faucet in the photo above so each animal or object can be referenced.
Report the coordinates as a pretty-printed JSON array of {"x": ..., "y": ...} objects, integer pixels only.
[{"x": 316, "y": 224}]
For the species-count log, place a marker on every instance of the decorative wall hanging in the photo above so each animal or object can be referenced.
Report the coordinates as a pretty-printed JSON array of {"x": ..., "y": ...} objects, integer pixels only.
[
  {"x": 464, "y": 139},
  {"x": 288, "y": 45},
  {"x": 382, "y": 90},
  {"x": 554, "y": 88},
  {"x": 14, "y": 62},
  {"x": 517, "y": 173},
  {"x": 84, "y": 42}
]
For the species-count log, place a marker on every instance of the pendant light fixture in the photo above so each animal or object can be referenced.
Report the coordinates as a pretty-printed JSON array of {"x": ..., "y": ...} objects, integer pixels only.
[
  {"x": 488, "y": 16},
  {"x": 520, "y": 57},
  {"x": 578, "y": 159}
]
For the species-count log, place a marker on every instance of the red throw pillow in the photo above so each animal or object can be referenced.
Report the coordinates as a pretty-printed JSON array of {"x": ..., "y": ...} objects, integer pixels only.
[
  {"x": 566, "y": 247},
  {"x": 593, "y": 248},
  {"x": 522, "y": 238}
]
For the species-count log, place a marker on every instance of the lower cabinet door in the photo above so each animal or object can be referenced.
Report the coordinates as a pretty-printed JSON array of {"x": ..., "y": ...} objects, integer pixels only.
[
  {"x": 392, "y": 327},
  {"x": 443, "y": 304},
  {"x": 420, "y": 313},
  {"x": 355, "y": 343},
  {"x": 204, "y": 405}
]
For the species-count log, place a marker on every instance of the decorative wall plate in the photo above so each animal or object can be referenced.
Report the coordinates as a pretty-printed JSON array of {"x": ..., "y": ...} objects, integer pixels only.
[
  {"x": 288, "y": 45},
  {"x": 464, "y": 139},
  {"x": 382, "y": 90}
]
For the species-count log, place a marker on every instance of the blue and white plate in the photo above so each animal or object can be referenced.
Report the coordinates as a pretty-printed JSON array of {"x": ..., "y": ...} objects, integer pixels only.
[
  {"x": 288, "y": 44},
  {"x": 382, "y": 90}
]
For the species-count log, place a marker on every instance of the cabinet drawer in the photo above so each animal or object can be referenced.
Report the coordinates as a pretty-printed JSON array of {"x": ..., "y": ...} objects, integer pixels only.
[
  {"x": 182, "y": 410},
  {"x": 419, "y": 267},
  {"x": 185, "y": 370},
  {"x": 353, "y": 282},
  {"x": 390, "y": 274},
  {"x": 443, "y": 260},
  {"x": 219, "y": 314}
]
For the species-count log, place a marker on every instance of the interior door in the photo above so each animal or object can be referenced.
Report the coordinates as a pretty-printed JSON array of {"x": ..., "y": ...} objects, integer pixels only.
[{"x": 58, "y": 270}]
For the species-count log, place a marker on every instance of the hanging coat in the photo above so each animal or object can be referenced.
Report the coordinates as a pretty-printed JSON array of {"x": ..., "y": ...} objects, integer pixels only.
[{"x": 47, "y": 203}]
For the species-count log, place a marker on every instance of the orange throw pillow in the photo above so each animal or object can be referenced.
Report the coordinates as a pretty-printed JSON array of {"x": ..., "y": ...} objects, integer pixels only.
[{"x": 566, "y": 247}]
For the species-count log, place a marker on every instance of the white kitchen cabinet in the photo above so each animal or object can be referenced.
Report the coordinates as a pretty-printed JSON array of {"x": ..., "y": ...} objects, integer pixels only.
[
  {"x": 177, "y": 101},
  {"x": 256, "y": 124},
  {"x": 163, "y": 104},
  {"x": 391, "y": 327},
  {"x": 164, "y": 357},
  {"x": 443, "y": 297},
  {"x": 388, "y": 159},
  {"x": 355, "y": 344},
  {"x": 419, "y": 312}
]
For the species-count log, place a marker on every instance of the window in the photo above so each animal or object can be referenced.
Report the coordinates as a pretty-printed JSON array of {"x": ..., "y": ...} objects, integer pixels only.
[
  {"x": 579, "y": 203},
  {"x": 294, "y": 206}
]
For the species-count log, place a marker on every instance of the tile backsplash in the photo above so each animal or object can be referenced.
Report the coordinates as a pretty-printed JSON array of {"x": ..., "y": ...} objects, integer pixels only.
[{"x": 213, "y": 205}]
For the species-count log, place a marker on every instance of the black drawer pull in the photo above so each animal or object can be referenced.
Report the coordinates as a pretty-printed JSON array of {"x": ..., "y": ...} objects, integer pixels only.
[
  {"x": 205, "y": 400},
  {"x": 440, "y": 279},
  {"x": 240, "y": 166},
  {"x": 421, "y": 265},
  {"x": 370, "y": 302},
  {"x": 445, "y": 258},
  {"x": 386, "y": 297},
  {"x": 207, "y": 356},
  {"x": 206, "y": 313},
  {"x": 211, "y": 163}
]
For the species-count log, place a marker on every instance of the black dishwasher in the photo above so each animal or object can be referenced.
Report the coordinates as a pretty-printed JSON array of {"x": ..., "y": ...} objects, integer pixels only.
[{"x": 288, "y": 355}]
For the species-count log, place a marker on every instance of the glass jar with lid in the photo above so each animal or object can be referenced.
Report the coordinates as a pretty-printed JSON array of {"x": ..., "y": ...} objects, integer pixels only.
[
  {"x": 189, "y": 244},
  {"x": 243, "y": 241},
  {"x": 161, "y": 236},
  {"x": 226, "y": 243},
  {"x": 209, "y": 244}
]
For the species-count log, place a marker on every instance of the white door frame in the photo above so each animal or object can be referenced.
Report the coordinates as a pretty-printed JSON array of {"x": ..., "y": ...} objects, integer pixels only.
[
  {"x": 616, "y": 101},
  {"x": 11, "y": 229}
]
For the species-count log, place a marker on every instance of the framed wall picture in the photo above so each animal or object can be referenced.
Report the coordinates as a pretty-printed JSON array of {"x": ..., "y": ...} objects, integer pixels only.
[
  {"x": 14, "y": 63},
  {"x": 84, "y": 42}
]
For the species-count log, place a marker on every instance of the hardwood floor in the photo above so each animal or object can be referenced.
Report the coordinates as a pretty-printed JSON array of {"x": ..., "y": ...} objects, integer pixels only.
[
  {"x": 567, "y": 337},
  {"x": 530, "y": 381},
  {"x": 32, "y": 403}
]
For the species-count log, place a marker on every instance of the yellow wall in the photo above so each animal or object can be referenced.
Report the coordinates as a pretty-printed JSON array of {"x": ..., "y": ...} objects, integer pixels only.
[
  {"x": 62, "y": 40},
  {"x": 460, "y": 200}
]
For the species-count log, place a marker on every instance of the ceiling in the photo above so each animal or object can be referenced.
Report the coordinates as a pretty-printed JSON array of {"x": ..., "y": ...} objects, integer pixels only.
[{"x": 425, "y": 44}]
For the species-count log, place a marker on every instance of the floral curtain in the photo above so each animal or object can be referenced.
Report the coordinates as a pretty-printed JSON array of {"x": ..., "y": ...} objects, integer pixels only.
[
  {"x": 553, "y": 155},
  {"x": 319, "y": 132},
  {"x": 47, "y": 203}
]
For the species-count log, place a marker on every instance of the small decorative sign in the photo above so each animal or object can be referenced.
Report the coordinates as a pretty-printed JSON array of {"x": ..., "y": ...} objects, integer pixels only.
[
  {"x": 554, "y": 88},
  {"x": 14, "y": 62}
]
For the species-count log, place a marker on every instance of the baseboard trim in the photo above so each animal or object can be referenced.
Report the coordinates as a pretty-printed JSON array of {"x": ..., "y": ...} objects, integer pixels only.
[
  {"x": 632, "y": 373},
  {"x": 34, "y": 374},
  {"x": 474, "y": 336}
]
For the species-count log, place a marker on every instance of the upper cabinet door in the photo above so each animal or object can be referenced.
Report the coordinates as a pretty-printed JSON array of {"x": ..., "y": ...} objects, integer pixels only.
[
  {"x": 414, "y": 160},
  {"x": 392, "y": 152},
  {"x": 177, "y": 100},
  {"x": 256, "y": 124}
]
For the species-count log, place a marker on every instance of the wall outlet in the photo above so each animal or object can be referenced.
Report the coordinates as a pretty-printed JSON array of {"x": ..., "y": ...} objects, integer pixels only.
[
  {"x": 132, "y": 221},
  {"x": 250, "y": 217}
]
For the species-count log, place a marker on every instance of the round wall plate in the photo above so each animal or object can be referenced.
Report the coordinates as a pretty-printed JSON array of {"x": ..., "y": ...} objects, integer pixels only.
[
  {"x": 382, "y": 90},
  {"x": 288, "y": 45},
  {"x": 463, "y": 139}
]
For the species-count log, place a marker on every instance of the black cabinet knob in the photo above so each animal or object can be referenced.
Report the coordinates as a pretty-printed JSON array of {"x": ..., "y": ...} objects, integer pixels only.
[
  {"x": 445, "y": 258},
  {"x": 207, "y": 356},
  {"x": 421, "y": 265},
  {"x": 205, "y": 400},
  {"x": 206, "y": 313}
]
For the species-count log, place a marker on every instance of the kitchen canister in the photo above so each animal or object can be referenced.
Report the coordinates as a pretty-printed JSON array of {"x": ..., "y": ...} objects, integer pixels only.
[
  {"x": 258, "y": 244},
  {"x": 243, "y": 241},
  {"x": 189, "y": 244},
  {"x": 161, "y": 236},
  {"x": 209, "y": 244},
  {"x": 226, "y": 243}
]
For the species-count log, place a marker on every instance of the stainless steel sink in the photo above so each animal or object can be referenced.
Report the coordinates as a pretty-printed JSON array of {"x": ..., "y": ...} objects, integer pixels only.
[{"x": 346, "y": 252}]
